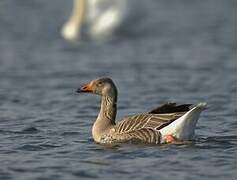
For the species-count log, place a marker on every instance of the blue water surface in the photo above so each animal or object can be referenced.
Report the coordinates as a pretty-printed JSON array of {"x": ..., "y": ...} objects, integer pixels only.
[{"x": 184, "y": 51}]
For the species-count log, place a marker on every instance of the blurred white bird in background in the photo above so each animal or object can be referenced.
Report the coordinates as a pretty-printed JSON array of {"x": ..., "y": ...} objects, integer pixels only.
[{"x": 99, "y": 18}]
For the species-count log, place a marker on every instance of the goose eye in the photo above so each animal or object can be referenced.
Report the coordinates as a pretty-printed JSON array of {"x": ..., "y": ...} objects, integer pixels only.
[{"x": 99, "y": 83}]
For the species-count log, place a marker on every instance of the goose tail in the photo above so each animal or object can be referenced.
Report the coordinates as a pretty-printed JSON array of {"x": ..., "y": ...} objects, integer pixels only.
[{"x": 183, "y": 128}]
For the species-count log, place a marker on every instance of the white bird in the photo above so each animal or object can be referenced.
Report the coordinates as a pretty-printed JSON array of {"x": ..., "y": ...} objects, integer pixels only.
[{"x": 101, "y": 18}]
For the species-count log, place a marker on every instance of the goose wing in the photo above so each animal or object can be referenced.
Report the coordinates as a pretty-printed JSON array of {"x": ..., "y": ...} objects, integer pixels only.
[
  {"x": 155, "y": 119},
  {"x": 144, "y": 127},
  {"x": 151, "y": 121}
]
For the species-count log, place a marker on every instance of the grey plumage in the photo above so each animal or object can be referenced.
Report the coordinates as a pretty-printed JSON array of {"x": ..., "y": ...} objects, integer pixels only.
[{"x": 144, "y": 127}]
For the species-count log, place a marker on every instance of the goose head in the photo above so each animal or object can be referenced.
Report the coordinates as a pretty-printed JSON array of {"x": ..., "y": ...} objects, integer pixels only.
[{"x": 101, "y": 86}]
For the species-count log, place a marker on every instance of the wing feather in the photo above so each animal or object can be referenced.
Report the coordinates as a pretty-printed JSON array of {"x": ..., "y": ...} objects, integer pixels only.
[
  {"x": 144, "y": 127},
  {"x": 144, "y": 135},
  {"x": 151, "y": 121}
]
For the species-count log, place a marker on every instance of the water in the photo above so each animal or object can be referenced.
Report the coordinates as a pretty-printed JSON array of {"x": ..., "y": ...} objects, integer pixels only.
[{"x": 182, "y": 51}]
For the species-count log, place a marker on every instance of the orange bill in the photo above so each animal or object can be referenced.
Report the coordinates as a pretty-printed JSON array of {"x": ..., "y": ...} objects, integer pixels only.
[{"x": 85, "y": 88}]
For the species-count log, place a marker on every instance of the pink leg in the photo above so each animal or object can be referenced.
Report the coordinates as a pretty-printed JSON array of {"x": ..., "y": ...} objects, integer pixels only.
[{"x": 170, "y": 139}]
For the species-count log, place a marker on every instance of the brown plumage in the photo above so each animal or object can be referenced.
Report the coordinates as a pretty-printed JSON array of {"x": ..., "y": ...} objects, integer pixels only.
[
  {"x": 142, "y": 128},
  {"x": 170, "y": 108}
]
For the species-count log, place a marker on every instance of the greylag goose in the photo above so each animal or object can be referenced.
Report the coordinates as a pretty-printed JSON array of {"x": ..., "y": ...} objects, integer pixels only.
[
  {"x": 101, "y": 17},
  {"x": 169, "y": 123}
]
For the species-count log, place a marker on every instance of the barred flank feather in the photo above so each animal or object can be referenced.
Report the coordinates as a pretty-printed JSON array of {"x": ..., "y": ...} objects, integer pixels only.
[{"x": 150, "y": 127}]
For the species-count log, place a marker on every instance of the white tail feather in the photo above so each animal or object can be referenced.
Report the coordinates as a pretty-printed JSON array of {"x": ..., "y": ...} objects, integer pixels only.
[{"x": 184, "y": 127}]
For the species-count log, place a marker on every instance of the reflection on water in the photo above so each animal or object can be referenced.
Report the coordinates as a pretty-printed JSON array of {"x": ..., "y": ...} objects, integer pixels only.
[{"x": 182, "y": 51}]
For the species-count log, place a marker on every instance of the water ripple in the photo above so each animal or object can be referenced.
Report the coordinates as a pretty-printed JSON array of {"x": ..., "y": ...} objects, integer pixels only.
[{"x": 182, "y": 51}]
